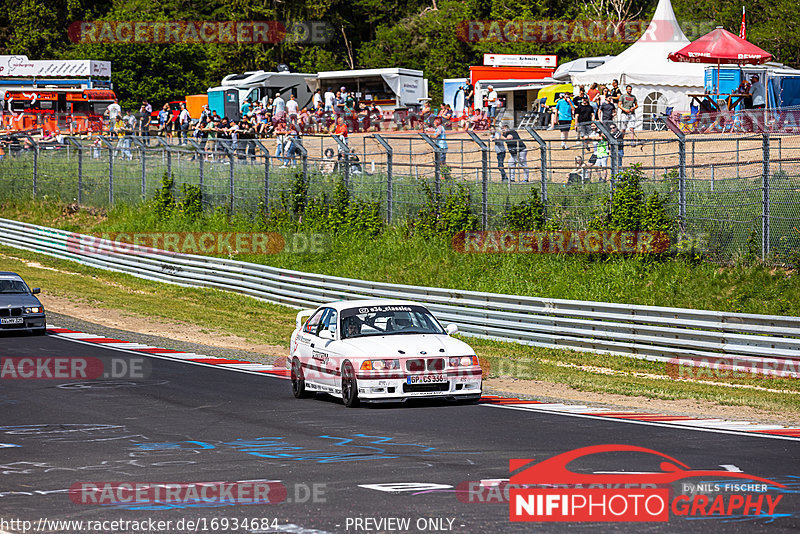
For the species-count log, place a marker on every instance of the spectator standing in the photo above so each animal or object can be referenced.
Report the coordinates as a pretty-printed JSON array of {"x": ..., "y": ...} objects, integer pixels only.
[
  {"x": 493, "y": 102},
  {"x": 292, "y": 110},
  {"x": 585, "y": 114},
  {"x": 338, "y": 105},
  {"x": 517, "y": 152},
  {"x": 580, "y": 96},
  {"x": 112, "y": 112},
  {"x": 500, "y": 151},
  {"x": 280, "y": 107},
  {"x": 619, "y": 136},
  {"x": 628, "y": 105},
  {"x": 615, "y": 92},
  {"x": 441, "y": 139},
  {"x": 330, "y": 99},
  {"x": 184, "y": 120},
  {"x": 564, "y": 112},
  {"x": 601, "y": 155},
  {"x": 147, "y": 107},
  {"x": 594, "y": 97},
  {"x": 163, "y": 119},
  {"x": 469, "y": 97},
  {"x": 607, "y": 109},
  {"x": 316, "y": 100},
  {"x": 759, "y": 98}
]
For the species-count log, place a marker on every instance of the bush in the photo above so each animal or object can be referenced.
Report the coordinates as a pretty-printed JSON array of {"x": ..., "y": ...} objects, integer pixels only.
[
  {"x": 445, "y": 213},
  {"x": 528, "y": 215},
  {"x": 629, "y": 211}
]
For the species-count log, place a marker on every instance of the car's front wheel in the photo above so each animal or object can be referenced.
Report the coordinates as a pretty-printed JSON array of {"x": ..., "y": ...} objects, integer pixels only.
[
  {"x": 349, "y": 386},
  {"x": 298, "y": 380}
]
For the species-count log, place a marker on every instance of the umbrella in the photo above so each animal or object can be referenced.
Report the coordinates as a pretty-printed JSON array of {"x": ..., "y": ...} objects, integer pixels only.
[{"x": 721, "y": 47}]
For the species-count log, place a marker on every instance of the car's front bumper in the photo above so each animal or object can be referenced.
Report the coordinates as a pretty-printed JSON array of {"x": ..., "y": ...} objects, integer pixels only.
[
  {"x": 30, "y": 322},
  {"x": 461, "y": 385}
]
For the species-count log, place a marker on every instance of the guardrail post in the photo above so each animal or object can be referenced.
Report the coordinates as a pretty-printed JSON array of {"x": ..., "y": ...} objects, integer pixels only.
[
  {"x": 543, "y": 157},
  {"x": 484, "y": 177},
  {"x": 389, "y": 187},
  {"x": 765, "y": 197}
]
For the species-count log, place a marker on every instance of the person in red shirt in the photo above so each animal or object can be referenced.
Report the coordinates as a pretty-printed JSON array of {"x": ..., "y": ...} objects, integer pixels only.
[{"x": 341, "y": 130}]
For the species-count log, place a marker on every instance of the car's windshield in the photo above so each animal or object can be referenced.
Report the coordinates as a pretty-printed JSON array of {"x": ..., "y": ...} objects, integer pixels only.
[
  {"x": 388, "y": 320},
  {"x": 10, "y": 285}
]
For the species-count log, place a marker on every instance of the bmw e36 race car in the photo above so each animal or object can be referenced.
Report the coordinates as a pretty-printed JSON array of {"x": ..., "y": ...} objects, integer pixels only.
[{"x": 380, "y": 351}]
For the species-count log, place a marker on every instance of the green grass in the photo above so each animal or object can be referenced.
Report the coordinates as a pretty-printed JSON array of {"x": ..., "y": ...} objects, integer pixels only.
[
  {"x": 228, "y": 313},
  {"x": 395, "y": 258}
]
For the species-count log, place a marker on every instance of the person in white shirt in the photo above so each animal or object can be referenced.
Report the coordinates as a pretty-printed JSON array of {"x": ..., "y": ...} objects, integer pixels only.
[
  {"x": 493, "y": 102},
  {"x": 759, "y": 96},
  {"x": 184, "y": 120},
  {"x": 316, "y": 99},
  {"x": 279, "y": 105},
  {"x": 112, "y": 112},
  {"x": 292, "y": 110},
  {"x": 330, "y": 97}
]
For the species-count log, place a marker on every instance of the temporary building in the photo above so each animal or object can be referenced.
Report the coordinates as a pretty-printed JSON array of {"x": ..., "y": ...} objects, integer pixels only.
[{"x": 657, "y": 82}]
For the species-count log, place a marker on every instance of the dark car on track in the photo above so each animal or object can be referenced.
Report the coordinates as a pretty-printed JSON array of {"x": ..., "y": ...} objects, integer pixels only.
[{"x": 20, "y": 310}]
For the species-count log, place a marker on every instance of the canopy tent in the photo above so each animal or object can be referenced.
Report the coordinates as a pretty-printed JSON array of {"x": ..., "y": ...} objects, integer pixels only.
[
  {"x": 657, "y": 82},
  {"x": 723, "y": 48}
]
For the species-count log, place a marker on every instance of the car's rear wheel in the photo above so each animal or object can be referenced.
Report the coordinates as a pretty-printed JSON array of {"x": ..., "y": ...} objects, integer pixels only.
[
  {"x": 298, "y": 380},
  {"x": 349, "y": 386}
]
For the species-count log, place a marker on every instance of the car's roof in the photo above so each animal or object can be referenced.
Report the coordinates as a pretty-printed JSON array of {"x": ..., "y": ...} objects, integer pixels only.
[
  {"x": 9, "y": 273},
  {"x": 363, "y": 303}
]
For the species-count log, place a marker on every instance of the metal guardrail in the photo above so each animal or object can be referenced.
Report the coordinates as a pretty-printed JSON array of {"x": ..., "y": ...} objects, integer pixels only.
[{"x": 699, "y": 337}]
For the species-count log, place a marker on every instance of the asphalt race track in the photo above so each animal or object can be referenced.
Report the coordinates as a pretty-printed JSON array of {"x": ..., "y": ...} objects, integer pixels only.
[{"x": 186, "y": 423}]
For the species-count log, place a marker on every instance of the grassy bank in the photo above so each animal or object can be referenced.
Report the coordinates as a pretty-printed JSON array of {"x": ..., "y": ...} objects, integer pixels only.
[
  {"x": 746, "y": 286},
  {"x": 260, "y": 322}
]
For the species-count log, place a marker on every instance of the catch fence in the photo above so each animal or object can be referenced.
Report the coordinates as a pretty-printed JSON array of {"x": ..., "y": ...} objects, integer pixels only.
[{"x": 732, "y": 194}]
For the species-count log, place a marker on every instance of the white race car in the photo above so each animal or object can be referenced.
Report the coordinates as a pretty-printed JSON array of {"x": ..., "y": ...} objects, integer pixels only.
[{"x": 380, "y": 351}]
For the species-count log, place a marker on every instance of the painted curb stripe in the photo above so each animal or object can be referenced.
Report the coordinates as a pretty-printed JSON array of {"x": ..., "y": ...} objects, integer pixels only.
[{"x": 678, "y": 421}]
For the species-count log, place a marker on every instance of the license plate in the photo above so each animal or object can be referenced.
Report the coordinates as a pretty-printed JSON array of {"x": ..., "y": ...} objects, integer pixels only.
[
  {"x": 12, "y": 320},
  {"x": 426, "y": 379}
]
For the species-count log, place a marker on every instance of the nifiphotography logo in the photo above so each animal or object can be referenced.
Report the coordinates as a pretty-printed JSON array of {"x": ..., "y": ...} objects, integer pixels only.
[{"x": 549, "y": 491}]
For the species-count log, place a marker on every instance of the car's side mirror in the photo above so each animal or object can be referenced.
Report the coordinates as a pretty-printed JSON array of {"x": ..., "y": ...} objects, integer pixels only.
[
  {"x": 327, "y": 334},
  {"x": 451, "y": 329},
  {"x": 35, "y": 291}
]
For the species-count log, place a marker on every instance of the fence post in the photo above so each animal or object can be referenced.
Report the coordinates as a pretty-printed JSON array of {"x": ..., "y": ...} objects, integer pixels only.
[
  {"x": 232, "y": 174},
  {"x": 484, "y": 178},
  {"x": 80, "y": 174},
  {"x": 344, "y": 149},
  {"x": 35, "y": 168},
  {"x": 437, "y": 168},
  {"x": 260, "y": 145},
  {"x": 681, "y": 171},
  {"x": 614, "y": 145},
  {"x": 110, "y": 147},
  {"x": 765, "y": 197},
  {"x": 543, "y": 152},
  {"x": 389, "y": 188}
]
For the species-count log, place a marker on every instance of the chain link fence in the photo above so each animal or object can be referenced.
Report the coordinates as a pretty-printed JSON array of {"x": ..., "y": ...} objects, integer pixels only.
[{"x": 733, "y": 194}]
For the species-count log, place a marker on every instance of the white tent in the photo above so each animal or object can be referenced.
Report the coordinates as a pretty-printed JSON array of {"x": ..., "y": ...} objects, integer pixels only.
[{"x": 657, "y": 82}]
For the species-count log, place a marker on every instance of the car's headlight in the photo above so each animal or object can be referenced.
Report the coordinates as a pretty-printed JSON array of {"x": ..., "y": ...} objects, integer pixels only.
[
  {"x": 35, "y": 309},
  {"x": 463, "y": 361},
  {"x": 379, "y": 365}
]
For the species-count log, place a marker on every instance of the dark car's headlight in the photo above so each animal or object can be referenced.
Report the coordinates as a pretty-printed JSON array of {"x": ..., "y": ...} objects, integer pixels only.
[{"x": 34, "y": 309}]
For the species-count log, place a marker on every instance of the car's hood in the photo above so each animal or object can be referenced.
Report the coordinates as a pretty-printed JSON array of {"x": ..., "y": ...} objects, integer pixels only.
[
  {"x": 17, "y": 300},
  {"x": 411, "y": 345}
]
